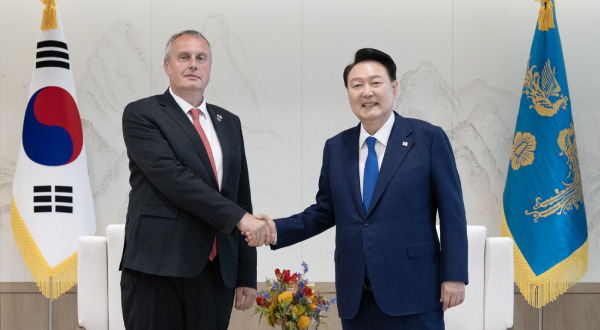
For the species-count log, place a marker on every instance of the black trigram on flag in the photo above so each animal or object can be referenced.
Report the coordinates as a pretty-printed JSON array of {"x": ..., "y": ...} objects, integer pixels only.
[
  {"x": 52, "y": 53},
  {"x": 44, "y": 198}
]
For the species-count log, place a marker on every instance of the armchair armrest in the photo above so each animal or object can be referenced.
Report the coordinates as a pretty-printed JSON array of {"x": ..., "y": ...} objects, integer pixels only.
[
  {"x": 115, "y": 238},
  {"x": 92, "y": 300},
  {"x": 499, "y": 283}
]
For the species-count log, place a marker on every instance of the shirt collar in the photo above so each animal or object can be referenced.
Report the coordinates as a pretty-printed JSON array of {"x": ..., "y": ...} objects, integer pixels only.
[
  {"x": 382, "y": 135},
  {"x": 185, "y": 106}
]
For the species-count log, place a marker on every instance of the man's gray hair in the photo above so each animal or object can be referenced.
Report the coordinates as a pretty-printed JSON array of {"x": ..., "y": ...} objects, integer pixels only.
[{"x": 192, "y": 33}]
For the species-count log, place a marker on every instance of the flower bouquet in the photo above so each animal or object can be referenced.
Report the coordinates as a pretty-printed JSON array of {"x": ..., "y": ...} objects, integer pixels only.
[{"x": 291, "y": 302}]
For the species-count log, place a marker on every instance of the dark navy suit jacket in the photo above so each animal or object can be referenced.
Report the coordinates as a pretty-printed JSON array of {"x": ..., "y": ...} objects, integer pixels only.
[
  {"x": 396, "y": 239},
  {"x": 175, "y": 206}
]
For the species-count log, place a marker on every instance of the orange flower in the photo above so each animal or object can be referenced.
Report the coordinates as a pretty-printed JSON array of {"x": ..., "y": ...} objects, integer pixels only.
[
  {"x": 298, "y": 309},
  {"x": 303, "y": 322},
  {"x": 285, "y": 296}
]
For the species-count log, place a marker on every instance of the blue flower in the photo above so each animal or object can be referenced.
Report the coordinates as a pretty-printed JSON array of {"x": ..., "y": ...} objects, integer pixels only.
[{"x": 305, "y": 267}]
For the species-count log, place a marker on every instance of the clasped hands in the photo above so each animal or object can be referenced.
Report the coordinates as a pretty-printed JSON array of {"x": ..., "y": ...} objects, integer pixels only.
[{"x": 258, "y": 229}]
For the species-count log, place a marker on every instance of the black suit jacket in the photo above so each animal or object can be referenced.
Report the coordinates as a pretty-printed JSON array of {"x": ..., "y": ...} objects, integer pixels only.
[{"x": 175, "y": 207}]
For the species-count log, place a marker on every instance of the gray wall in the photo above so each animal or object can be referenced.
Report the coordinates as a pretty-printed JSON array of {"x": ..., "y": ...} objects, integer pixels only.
[{"x": 278, "y": 65}]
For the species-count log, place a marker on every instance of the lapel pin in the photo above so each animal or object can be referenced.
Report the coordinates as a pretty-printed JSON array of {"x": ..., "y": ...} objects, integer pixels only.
[
  {"x": 405, "y": 144},
  {"x": 219, "y": 118}
]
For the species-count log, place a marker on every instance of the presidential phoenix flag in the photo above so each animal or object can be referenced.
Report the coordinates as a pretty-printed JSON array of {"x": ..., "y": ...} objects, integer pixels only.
[
  {"x": 543, "y": 209},
  {"x": 52, "y": 201}
]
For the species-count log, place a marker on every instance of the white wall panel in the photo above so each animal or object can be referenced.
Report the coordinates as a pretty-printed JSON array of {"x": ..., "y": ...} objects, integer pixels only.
[{"x": 278, "y": 65}]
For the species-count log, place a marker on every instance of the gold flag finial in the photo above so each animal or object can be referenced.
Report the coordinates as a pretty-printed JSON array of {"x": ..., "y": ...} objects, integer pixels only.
[
  {"x": 49, "y": 18},
  {"x": 546, "y": 16}
]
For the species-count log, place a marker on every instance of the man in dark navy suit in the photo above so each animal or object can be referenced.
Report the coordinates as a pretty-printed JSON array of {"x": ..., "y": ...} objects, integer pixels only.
[
  {"x": 184, "y": 257},
  {"x": 382, "y": 184}
]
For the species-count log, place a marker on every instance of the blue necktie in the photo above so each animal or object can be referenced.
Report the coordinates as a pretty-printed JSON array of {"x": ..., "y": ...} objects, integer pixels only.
[{"x": 371, "y": 173}]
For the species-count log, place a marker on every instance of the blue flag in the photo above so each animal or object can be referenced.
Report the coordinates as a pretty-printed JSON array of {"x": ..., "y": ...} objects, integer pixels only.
[{"x": 543, "y": 209}]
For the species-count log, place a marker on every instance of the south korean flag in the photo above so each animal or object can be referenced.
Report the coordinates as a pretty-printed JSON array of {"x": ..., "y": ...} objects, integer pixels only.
[{"x": 52, "y": 200}]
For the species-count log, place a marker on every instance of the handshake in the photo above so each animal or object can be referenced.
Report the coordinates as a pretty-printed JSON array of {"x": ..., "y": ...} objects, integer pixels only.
[{"x": 258, "y": 229}]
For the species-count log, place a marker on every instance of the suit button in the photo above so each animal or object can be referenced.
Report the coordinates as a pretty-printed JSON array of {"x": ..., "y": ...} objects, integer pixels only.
[{"x": 366, "y": 223}]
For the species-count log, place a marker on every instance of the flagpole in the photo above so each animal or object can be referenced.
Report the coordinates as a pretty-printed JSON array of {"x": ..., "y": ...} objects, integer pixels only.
[{"x": 50, "y": 309}]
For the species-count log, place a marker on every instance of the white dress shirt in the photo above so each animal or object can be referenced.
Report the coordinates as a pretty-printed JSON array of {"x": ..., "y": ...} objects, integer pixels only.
[
  {"x": 382, "y": 136},
  {"x": 209, "y": 130}
]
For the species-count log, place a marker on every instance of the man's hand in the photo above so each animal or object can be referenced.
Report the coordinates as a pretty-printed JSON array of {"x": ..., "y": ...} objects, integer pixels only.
[
  {"x": 271, "y": 224},
  {"x": 244, "y": 298},
  {"x": 453, "y": 294},
  {"x": 256, "y": 231}
]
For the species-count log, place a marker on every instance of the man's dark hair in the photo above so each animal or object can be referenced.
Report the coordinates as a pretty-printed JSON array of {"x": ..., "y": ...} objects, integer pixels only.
[{"x": 371, "y": 54}]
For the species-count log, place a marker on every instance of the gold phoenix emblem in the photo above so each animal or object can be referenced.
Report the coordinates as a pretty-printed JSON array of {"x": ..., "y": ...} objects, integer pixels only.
[
  {"x": 521, "y": 153},
  {"x": 572, "y": 195},
  {"x": 541, "y": 92}
]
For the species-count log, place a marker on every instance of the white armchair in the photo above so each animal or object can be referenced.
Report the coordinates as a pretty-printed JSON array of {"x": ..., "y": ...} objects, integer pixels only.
[
  {"x": 488, "y": 305},
  {"x": 99, "y": 280},
  {"x": 489, "y": 302}
]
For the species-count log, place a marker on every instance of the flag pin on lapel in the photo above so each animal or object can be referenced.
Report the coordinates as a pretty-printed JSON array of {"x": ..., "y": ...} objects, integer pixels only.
[
  {"x": 405, "y": 144},
  {"x": 219, "y": 118}
]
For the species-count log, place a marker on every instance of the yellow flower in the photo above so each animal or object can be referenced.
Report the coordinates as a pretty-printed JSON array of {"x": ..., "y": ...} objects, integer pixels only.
[
  {"x": 299, "y": 310},
  {"x": 272, "y": 307},
  {"x": 273, "y": 298},
  {"x": 270, "y": 319},
  {"x": 303, "y": 322},
  {"x": 285, "y": 296},
  {"x": 521, "y": 153},
  {"x": 312, "y": 307}
]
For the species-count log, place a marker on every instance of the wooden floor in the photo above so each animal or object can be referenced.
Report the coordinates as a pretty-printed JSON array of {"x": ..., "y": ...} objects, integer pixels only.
[
  {"x": 578, "y": 309},
  {"x": 23, "y": 307}
]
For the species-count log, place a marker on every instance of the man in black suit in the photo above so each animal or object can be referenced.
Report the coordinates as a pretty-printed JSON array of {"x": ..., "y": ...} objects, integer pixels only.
[{"x": 184, "y": 257}]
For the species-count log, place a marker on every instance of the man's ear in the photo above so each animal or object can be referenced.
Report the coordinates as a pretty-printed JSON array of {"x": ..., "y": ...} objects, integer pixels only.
[{"x": 166, "y": 66}]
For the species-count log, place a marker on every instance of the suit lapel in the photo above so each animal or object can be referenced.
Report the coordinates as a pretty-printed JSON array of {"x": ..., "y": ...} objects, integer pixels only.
[
  {"x": 172, "y": 109},
  {"x": 399, "y": 144},
  {"x": 351, "y": 169}
]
